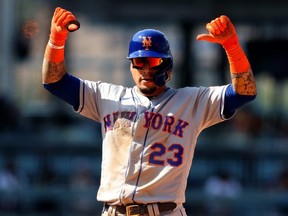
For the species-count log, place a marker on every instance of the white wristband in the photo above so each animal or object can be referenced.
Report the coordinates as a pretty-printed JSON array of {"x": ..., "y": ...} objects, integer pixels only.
[{"x": 55, "y": 47}]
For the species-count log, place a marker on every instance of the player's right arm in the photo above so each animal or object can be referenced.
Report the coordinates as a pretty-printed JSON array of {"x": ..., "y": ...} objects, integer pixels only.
[
  {"x": 53, "y": 67},
  {"x": 54, "y": 75}
]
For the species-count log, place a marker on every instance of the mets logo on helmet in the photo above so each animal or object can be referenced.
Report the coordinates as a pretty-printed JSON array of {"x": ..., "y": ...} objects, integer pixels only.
[{"x": 146, "y": 42}]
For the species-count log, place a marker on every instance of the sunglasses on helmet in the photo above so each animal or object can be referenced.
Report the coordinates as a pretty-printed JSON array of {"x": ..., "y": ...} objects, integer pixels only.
[{"x": 140, "y": 62}]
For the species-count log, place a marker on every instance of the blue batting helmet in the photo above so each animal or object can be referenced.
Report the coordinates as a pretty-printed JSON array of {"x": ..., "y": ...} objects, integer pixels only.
[
  {"x": 153, "y": 43},
  {"x": 149, "y": 43}
]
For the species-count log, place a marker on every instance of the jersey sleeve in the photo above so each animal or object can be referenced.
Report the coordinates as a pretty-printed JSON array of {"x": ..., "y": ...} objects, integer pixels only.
[
  {"x": 94, "y": 97},
  {"x": 210, "y": 106}
]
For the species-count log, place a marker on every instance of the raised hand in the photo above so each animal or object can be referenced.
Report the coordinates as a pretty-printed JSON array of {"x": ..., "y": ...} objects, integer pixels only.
[{"x": 220, "y": 30}]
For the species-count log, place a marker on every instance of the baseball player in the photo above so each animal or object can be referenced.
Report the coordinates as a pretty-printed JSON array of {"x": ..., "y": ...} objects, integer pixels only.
[{"x": 149, "y": 130}]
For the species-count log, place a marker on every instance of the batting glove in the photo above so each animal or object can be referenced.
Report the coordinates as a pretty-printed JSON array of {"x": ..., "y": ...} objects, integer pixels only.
[
  {"x": 59, "y": 23},
  {"x": 221, "y": 31}
]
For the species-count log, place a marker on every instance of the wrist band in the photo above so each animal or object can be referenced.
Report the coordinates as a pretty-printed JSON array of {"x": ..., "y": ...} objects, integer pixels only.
[{"x": 55, "y": 47}]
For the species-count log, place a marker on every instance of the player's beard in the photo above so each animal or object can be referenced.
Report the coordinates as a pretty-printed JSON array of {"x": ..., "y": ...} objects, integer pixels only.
[{"x": 148, "y": 91}]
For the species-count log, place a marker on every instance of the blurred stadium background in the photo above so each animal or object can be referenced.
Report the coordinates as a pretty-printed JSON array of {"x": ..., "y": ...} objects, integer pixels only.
[{"x": 50, "y": 157}]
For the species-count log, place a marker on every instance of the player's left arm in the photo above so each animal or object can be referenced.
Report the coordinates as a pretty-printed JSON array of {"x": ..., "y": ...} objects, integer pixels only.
[
  {"x": 243, "y": 88},
  {"x": 222, "y": 31}
]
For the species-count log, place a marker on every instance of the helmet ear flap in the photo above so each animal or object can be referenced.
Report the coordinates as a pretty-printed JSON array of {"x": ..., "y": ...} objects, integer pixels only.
[{"x": 163, "y": 73}]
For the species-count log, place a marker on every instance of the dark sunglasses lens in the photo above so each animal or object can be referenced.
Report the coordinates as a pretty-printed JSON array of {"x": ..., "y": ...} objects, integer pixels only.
[
  {"x": 138, "y": 62},
  {"x": 153, "y": 62}
]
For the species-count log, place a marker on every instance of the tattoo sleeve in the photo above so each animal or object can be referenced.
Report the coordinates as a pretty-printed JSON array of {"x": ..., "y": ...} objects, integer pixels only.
[
  {"x": 244, "y": 83},
  {"x": 52, "y": 72}
]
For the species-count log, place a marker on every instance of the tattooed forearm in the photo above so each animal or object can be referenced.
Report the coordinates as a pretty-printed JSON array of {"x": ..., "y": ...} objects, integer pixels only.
[
  {"x": 244, "y": 83},
  {"x": 52, "y": 72}
]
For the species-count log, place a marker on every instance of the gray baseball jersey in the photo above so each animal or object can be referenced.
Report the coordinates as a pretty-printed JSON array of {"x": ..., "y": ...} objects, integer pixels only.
[{"x": 148, "y": 145}]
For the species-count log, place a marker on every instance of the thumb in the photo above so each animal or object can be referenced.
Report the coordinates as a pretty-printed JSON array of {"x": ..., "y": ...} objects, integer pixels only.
[{"x": 206, "y": 37}]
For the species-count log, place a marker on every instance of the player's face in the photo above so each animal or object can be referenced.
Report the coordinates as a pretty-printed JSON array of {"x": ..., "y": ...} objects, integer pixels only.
[{"x": 143, "y": 78}]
